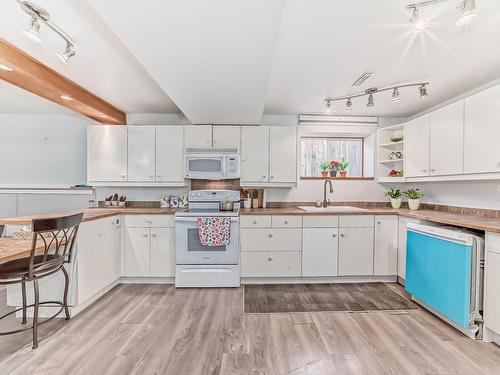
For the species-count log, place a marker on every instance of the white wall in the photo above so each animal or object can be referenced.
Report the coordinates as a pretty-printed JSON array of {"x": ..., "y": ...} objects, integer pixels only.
[{"x": 42, "y": 150}]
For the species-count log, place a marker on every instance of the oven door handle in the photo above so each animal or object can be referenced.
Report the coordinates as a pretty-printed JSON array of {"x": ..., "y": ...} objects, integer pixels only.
[{"x": 193, "y": 219}]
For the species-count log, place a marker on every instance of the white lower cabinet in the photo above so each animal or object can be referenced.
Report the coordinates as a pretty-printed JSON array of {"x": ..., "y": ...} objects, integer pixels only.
[
  {"x": 162, "y": 252},
  {"x": 403, "y": 221},
  {"x": 492, "y": 283},
  {"x": 386, "y": 246},
  {"x": 319, "y": 251},
  {"x": 136, "y": 259},
  {"x": 356, "y": 251},
  {"x": 270, "y": 264},
  {"x": 271, "y": 239},
  {"x": 98, "y": 252}
]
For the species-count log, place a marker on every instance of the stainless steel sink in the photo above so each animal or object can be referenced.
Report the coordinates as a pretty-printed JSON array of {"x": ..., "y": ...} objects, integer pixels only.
[{"x": 332, "y": 209}]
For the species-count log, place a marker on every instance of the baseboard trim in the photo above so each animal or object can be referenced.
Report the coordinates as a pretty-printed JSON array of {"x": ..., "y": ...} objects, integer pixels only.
[{"x": 317, "y": 280}]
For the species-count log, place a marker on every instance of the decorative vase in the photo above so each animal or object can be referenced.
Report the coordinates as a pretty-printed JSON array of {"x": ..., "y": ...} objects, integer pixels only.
[
  {"x": 333, "y": 173},
  {"x": 414, "y": 204},
  {"x": 324, "y": 173},
  {"x": 396, "y": 202},
  {"x": 343, "y": 173}
]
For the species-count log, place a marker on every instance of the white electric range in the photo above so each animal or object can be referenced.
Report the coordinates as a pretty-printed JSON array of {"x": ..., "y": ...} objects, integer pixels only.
[{"x": 198, "y": 266}]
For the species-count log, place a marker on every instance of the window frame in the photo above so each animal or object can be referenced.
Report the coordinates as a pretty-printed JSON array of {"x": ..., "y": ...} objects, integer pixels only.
[{"x": 362, "y": 177}]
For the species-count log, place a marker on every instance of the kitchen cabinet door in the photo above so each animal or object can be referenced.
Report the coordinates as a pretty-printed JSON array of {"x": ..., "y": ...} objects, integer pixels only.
[
  {"x": 136, "y": 255},
  {"x": 447, "y": 140},
  {"x": 106, "y": 153},
  {"x": 492, "y": 284},
  {"x": 416, "y": 153},
  {"x": 170, "y": 154},
  {"x": 482, "y": 132},
  {"x": 97, "y": 257},
  {"x": 319, "y": 251},
  {"x": 386, "y": 246},
  {"x": 162, "y": 252},
  {"x": 282, "y": 154},
  {"x": 226, "y": 136},
  {"x": 198, "y": 136},
  {"x": 403, "y": 221},
  {"x": 355, "y": 252},
  {"x": 141, "y": 153},
  {"x": 254, "y": 154}
]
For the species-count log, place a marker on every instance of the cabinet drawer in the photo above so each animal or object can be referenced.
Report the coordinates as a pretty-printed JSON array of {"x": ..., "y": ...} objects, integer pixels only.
[
  {"x": 270, "y": 264},
  {"x": 327, "y": 221},
  {"x": 356, "y": 221},
  {"x": 149, "y": 221},
  {"x": 255, "y": 221},
  {"x": 281, "y": 221},
  {"x": 271, "y": 239}
]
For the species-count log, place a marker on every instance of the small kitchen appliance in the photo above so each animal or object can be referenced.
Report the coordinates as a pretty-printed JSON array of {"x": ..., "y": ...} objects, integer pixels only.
[
  {"x": 199, "y": 266},
  {"x": 211, "y": 163}
]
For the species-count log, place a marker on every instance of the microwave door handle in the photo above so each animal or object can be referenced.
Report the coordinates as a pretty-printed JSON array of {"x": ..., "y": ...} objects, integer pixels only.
[{"x": 224, "y": 162}]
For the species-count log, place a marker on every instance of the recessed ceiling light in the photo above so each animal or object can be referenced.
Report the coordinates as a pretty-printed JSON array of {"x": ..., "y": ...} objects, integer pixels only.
[
  {"x": 33, "y": 32},
  {"x": 418, "y": 21},
  {"x": 66, "y": 97},
  {"x": 468, "y": 14},
  {"x": 67, "y": 54},
  {"x": 6, "y": 68}
]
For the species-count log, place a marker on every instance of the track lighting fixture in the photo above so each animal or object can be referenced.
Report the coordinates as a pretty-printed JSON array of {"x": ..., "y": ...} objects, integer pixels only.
[
  {"x": 467, "y": 12},
  {"x": 328, "y": 102},
  {"x": 348, "y": 104},
  {"x": 67, "y": 54},
  {"x": 423, "y": 92},
  {"x": 328, "y": 108},
  {"x": 395, "y": 95},
  {"x": 33, "y": 31},
  {"x": 418, "y": 21},
  {"x": 39, "y": 15}
]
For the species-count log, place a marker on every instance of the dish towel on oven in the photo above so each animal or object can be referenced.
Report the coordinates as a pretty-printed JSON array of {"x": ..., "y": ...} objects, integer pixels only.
[{"x": 214, "y": 231}]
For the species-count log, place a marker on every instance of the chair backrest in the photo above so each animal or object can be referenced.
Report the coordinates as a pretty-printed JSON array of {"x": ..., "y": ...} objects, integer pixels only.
[
  {"x": 2, "y": 227},
  {"x": 52, "y": 236}
]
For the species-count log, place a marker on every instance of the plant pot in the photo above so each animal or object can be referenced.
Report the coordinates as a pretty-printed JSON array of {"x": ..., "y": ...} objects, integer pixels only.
[
  {"x": 396, "y": 202},
  {"x": 414, "y": 204},
  {"x": 343, "y": 173},
  {"x": 333, "y": 173},
  {"x": 324, "y": 173}
]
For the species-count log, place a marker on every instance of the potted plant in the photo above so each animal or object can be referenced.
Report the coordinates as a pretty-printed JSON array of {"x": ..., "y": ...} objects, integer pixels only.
[
  {"x": 334, "y": 167},
  {"x": 413, "y": 196},
  {"x": 325, "y": 167},
  {"x": 342, "y": 167},
  {"x": 395, "y": 197}
]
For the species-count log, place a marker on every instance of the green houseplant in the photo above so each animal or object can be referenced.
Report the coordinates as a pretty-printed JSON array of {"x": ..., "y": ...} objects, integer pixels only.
[
  {"x": 334, "y": 167},
  {"x": 395, "y": 197},
  {"x": 343, "y": 164},
  {"x": 325, "y": 167},
  {"x": 413, "y": 196}
]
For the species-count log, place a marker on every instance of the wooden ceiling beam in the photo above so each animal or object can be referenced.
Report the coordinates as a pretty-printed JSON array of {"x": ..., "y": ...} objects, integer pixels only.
[{"x": 39, "y": 79}]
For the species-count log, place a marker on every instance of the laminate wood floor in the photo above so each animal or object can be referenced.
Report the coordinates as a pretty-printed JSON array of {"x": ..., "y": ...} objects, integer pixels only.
[
  {"x": 156, "y": 329},
  {"x": 284, "y": 298}
]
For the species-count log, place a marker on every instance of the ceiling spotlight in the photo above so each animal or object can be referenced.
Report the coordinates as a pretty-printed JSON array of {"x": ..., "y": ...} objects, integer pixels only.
[
  {"x": 467, "y": 14},
  {"x": 6, "y": 68},
  {"x": 348, "y": 105},
  {"x": 328, "y": 110},
  {"x": 370, "y": 100},
  {"x": 419, "y": 23},
  {"x": 395, "y": 95},
  {"x": 67, "y": 54},
  {"x": 33, "y": 32},
  {"x": 423, "y": 92}
]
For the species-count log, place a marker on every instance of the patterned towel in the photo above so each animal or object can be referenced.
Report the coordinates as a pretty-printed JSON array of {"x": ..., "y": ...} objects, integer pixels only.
[{"x": 214, "y": 231}]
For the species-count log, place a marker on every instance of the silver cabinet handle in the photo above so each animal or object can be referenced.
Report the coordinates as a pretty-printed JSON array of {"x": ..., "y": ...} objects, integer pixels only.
[
  {"x": 272, "y": 177},
  {"x": 379, "y": 222},
  {"x": 158, "y": 175},
  {"x": 145, "y": 234},
  {"x": 424, "y": 170},
  {"x": 270, "y": 235},
  {"x": 270, "y": 258},
  {"x": 334, "y": 235},
  {"x": 151, "y": 176},
  {"x": 286, "y": 221},
  {"x": 149, "y": 222},
  {"x": 123, "y": 175},
  {"x": 433, "y": 170},
  {"x": 264, "y": 177},
  {"x": 153, "y": 234},
  {"x": 342, "y": 234}
]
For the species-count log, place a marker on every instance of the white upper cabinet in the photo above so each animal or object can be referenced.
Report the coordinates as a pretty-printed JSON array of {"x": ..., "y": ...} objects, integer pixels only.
[
  {"x": 141, "y": 153},
  {"x": 282, "y": 154},
  {"x": 106, "y": 153},
  {"x": 447, "y": 140},
  {"x": 254, "y": 154},
  {"x": 198, "y": 136},
  {"x": 416, "y": 156},
  {"x": 170, "y": 154},
  {"x": 386, "y": 245},
  {"x": 226, "y": 136},
  {"x": 482, "y": 132}
]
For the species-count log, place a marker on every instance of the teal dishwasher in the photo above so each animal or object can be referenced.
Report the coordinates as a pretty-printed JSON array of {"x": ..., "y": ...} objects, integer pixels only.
[{"x": 444, "y": 273}]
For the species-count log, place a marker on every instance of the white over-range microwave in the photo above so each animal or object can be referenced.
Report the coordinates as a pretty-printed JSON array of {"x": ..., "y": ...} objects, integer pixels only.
[{"x": 212, "y": 163}]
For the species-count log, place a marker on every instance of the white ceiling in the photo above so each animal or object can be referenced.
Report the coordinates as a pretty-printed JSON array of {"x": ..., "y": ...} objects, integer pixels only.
[
  {"x": 230, "y": 61},
  {"x": 102, "y": 64}
]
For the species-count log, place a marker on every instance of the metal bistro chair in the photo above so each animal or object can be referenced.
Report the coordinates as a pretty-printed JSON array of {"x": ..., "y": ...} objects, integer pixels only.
[{"x": 51, "y": 247}]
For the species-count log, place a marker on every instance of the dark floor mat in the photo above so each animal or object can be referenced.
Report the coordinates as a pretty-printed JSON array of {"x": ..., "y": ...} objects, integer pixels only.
[{"x": 281, "y": 298}]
